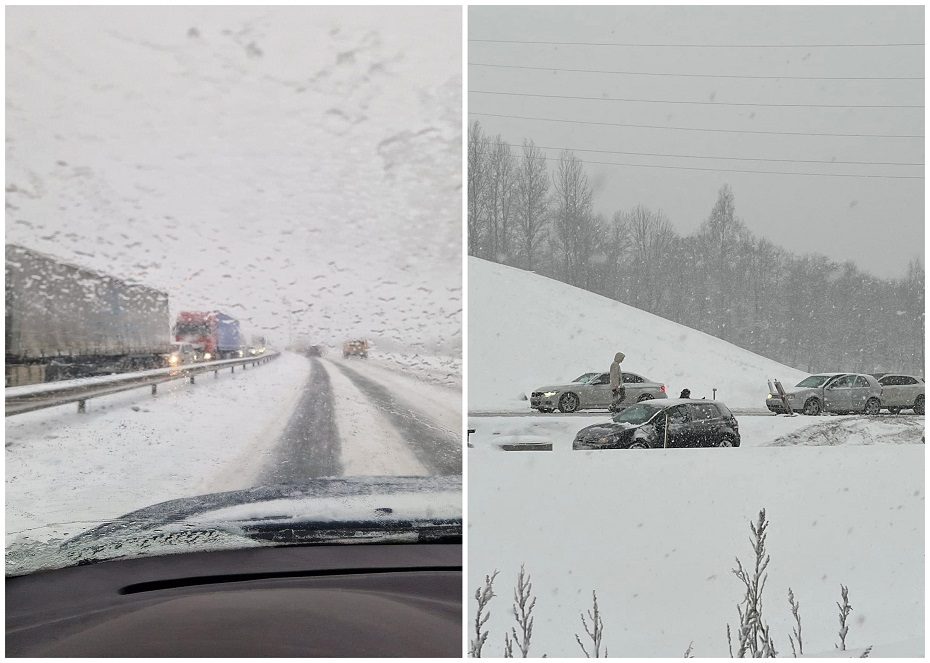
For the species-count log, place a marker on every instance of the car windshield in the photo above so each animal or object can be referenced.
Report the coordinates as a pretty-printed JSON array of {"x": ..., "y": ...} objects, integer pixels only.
[
  {"x": 814, "y": 381},
  {"x": 636, "y": 414},
  {"x": 274, "y": 190}
]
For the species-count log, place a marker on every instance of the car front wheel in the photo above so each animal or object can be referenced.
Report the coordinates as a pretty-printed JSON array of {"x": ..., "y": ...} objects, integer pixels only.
[
  {"x": 812, "y": 407},
  {"x": 726, "y": 441},
  {"x": 568, "y": 403},
  {"x": 873, "y": 406},
  {"x": 919, "y": 405},
  {"x": 638, "y": 444}
]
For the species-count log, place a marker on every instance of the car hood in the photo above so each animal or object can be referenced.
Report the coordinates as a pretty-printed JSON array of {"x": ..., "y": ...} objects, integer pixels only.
[
  {"x": 321, "y": 511},
  {"x": 609, "y": 428},
  {"x": 562, "y": 387}
]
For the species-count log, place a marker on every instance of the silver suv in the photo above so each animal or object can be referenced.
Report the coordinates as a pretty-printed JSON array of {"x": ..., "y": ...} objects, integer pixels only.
[
  {"x": 902, "y": 392},
  {"x": 831, "y": 392}
]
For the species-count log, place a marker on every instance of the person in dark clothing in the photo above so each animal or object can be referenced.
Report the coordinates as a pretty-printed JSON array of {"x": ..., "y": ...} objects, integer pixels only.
[{"x": 685, "y": 393}]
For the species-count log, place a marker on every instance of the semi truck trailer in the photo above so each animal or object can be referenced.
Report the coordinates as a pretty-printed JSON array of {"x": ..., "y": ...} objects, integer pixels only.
[{"x": 64, "y": 321}]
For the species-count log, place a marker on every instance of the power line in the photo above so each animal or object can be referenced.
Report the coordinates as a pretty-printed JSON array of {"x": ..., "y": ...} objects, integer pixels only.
[
  {"x": 669, "y": 101},
  {"x": 634, "y": 45},
  {"x": 728, "y": 131},
  {"x": 741, "y": 76},
  {"x": 752, "y": 172},
  {"x": 697, "y": 156}
]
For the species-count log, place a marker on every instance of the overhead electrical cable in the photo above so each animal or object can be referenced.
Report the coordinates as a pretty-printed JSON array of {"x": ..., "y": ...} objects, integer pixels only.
[
  {"x": 675, "y": 101},
  {"x": 659, "y": 45},
  {"x": 675, "y": 75},
  {"x": 731, "y": 170},
  {"x": 699, "y": 129},
  {"x": 698, "y": 156}
]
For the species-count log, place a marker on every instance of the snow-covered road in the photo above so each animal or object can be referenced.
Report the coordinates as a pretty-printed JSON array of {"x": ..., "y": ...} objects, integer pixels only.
[{"x": 284, "y": 422}]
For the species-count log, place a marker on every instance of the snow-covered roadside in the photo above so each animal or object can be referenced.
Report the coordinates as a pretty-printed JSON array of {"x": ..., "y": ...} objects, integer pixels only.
[
  {"x": 442, "y": 405},
  {"x": 131, "y": 450},
  {"x": 755, "y": 431},
  {"x": 369, "y": 443},
  {"x": 443, "y": 370},
  {"x": 655, "y": 533}
]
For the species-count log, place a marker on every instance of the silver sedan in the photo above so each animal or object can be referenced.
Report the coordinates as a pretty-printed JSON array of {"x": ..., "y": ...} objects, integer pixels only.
[
  {"x": 831, "y": 392},
  {"x": 594, "y": 393}
]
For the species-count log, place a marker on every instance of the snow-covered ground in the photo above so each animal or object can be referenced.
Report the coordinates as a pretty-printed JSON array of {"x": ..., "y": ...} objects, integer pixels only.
[
  {"x": 755, "y": 431},
  {"x": 132, "y": 449},
  {"x": 525, "y": 331},
  {"x": 655, "y": 533},
  {"x": 67, "y": 471}
]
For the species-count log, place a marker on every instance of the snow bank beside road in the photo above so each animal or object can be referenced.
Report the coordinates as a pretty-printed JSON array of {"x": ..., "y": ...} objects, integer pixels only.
[
  {"x": 132, "y": 449},
  {"x": 526, "y": 331}
]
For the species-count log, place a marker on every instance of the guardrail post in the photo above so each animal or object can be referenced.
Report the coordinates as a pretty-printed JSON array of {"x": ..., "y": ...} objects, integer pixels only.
[
  {"x": 82, "y": 406},
  {"x": 154, "y": 389},
  {"x": 232, "y": 369},
  {"x": 216, "y": 373},
  {"x": 192, "y": 378}
]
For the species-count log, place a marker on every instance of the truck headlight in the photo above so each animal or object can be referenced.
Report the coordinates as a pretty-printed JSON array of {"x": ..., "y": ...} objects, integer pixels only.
[
  {"x": 173, "y": 359},
  {"x": 206, "y": 356}
]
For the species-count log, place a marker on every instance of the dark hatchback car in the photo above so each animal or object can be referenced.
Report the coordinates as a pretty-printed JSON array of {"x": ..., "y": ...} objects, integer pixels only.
[{"x": 672, "y": 423}]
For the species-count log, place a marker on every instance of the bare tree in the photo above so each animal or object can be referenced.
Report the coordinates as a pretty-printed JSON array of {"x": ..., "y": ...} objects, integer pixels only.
[
  {"x": 595, "y": 631},
  {"x": 523, "y": 604},
  {"x": 477, "y": 178},
  {"x": 754, "y": 638},
  {"x": 499, "y": 202},
  {"x": 574, "y": 225},
  {"x": 532, "y": 207},
  {"x": 483, "y": 596}
]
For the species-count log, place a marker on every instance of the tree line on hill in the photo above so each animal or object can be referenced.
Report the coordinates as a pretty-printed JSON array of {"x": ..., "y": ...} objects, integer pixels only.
[{"x": 808, "y": 311}]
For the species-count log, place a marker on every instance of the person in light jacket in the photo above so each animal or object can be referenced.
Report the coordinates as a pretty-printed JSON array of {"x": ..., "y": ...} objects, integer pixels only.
[{"x": 616, "y": 382}]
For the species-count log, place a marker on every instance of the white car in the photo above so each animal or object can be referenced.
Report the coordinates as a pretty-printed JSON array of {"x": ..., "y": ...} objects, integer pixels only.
[{"x": 902, "y": 392}]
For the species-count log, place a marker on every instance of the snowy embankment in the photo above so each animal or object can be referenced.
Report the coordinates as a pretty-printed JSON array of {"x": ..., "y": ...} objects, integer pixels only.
[
  {"x": 443, "y": 370},
  {"x": 527, "y": 331},
  {"x": 132, "y": 450},
  {"x": 656, "y": 532}
]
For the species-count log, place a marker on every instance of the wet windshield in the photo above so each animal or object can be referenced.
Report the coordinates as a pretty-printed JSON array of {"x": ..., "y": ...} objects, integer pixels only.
[
  {"x": 814, "y": 381},
  {"x": 279, "y": 189},
  {"x": 637, "y": 414}
]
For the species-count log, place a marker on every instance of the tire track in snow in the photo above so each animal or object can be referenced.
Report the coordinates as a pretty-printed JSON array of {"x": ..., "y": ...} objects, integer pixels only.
[
  {"x": 370, "y": 445},
  {"x": 439, "y": 450},
  {"x": 309, "y": 447}
]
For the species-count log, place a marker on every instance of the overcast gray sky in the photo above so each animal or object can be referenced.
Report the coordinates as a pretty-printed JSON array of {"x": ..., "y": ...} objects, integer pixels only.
[
  {"x": 876, "y": 222},
  {"x": 296, "y": 167}
]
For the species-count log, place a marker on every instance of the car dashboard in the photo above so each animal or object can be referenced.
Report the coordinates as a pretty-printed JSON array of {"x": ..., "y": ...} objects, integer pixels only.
[{"x": 371, "y": 600}]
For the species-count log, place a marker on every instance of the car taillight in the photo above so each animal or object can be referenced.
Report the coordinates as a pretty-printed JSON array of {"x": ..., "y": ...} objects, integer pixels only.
[{"x": 663, "y": 389}]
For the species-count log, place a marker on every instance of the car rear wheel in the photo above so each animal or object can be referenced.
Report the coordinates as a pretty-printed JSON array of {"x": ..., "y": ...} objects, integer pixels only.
[
  {"x": 873, "y": 406},
  {"x": 726, "y": 441},
  {"x": 812, "y": 407},
  {"x": 568, "y": 403},
  {"x": 644, "y": 397},
  {"x": 919, "y": 405},
  {"x": 894, "y": 410},
  {"x": 638, "y": 444}
]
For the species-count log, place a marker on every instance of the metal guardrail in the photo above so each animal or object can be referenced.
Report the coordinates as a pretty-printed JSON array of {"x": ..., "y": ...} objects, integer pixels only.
[{"x": 26, "y": 401}]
